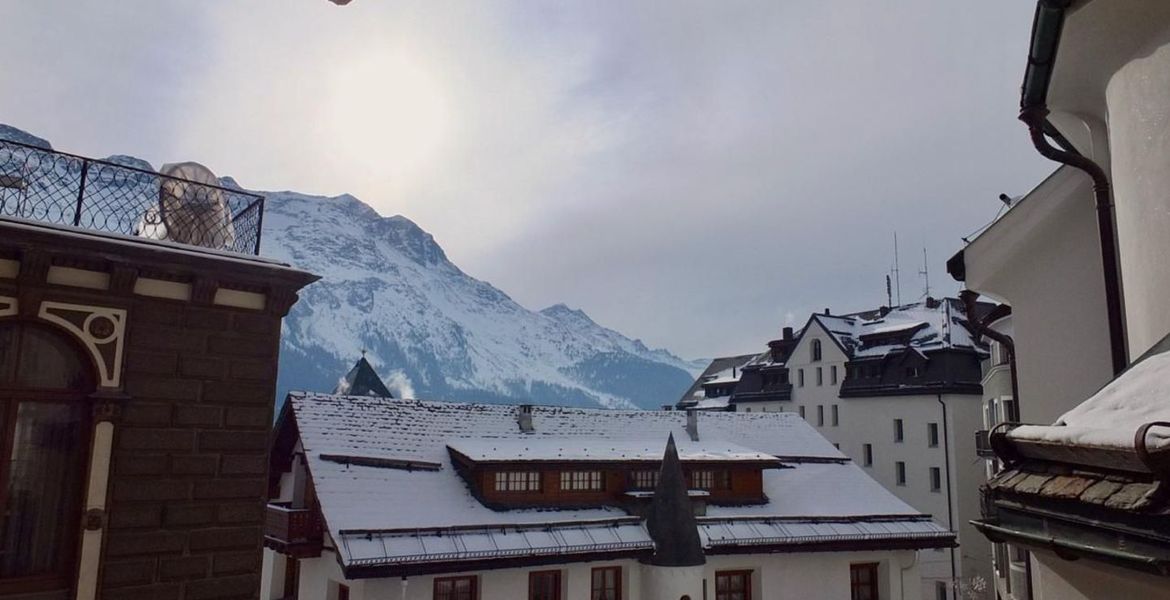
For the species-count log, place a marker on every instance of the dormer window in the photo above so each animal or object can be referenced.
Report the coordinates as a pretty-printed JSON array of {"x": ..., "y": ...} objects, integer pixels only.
[
  {"x": 816, "y": 350},
  {"x": 582, "y": 481},
  {"x": 518, "y": 481}
]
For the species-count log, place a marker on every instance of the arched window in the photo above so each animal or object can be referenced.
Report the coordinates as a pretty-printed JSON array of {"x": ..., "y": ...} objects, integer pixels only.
[
  {"x": 816, "y": 350},
  {"x": 44, "y": 433}
]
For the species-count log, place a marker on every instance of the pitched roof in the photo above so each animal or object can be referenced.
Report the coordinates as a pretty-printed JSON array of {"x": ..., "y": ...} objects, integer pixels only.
[
  {"x": 362, "y": 380},
  {"x": 353, "y": 494},
  {"x": 721, "y": 366},
  {"x": 925, "y": 326}
]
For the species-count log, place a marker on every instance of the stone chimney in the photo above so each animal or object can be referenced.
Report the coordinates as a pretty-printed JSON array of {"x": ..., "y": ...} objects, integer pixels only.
[
  {"x": 524, "y": 418},
  {"x": 693, "y": 424},
  {"x": 826, "y": 312},
  {"x": 787, "y": 333}
]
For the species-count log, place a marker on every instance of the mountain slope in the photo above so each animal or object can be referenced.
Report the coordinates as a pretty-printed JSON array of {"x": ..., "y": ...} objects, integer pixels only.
[{"x": 389, "y": 288}]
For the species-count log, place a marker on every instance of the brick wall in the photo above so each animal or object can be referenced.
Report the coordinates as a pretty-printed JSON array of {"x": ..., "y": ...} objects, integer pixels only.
[{"x": 189, "y": 472}]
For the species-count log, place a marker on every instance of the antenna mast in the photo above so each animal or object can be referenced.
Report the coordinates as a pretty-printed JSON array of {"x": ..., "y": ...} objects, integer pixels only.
[
  {"x": 925, "y": 273},
  {"x": 897, "y": 273}
]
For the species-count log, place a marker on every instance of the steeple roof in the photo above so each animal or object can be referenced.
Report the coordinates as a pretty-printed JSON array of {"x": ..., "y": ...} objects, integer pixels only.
[
  {"x": 671, "y": 520},
  {"x": 362, "y": 380}
]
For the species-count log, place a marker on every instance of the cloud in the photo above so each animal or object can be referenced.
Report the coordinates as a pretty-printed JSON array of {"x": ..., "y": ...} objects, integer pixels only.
[{"x": 678, "y": 169}]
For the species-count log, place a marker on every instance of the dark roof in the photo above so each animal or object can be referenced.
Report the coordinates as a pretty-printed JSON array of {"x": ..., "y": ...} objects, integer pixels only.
[
  {"x": 671, "y": 520},
  {"x": 363, "y": 381},
  {"x": 717, "y": 364}
]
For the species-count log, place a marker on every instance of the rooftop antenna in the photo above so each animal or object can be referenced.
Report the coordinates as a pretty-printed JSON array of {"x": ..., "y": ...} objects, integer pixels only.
[
  {"x": 897, "y": 273},
  {"x": 925, "y": 273}
]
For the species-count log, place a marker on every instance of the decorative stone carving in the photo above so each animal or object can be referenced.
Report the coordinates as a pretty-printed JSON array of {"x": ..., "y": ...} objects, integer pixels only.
[{"x": 101, "y": 329}]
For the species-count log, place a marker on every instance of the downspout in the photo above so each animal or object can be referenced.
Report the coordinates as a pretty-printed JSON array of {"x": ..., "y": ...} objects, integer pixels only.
[
  {"x": 950, "y": 511},
  {"x": 1036, "y": 118},
  {"x": 968, "y": 298}
]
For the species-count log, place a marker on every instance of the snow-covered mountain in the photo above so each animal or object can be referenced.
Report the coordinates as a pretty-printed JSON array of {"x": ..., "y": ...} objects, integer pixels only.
[{"x": 431, "y": 330}]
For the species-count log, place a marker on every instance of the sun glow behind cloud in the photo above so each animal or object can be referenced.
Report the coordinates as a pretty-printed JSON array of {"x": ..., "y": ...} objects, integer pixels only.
[{"x": 386, "y": 113}]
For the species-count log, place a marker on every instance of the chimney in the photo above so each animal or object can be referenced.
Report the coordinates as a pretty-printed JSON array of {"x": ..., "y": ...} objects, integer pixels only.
[
  {"x": 826, "y": 312},
  {"x": 883, "y": 311},
  {"x": 787, "y": 333},
  {"x": 693, "y": 424},
  {"x": 932, "y": 303},
  {"x": 667, "y": 407},
  {"x": 524, "y": 418}
]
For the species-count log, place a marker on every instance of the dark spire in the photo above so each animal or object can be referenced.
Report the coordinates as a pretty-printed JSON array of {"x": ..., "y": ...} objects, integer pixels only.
[
  {"x": 363, "y": 381},
  {"x": 672, "y": 519}
]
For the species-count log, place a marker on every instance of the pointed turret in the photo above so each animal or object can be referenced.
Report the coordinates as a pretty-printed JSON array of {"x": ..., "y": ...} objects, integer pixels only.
[
  {"x": 363, "y": 381},
  {"x": 671, "y": 520}
]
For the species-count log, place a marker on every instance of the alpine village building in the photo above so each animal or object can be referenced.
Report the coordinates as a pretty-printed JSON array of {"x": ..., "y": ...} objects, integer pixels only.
[
  {"x": 374, "y": 497},
  {"x": 1078, "y": 505},
  {"x": 898, "y": 390},
  {"x": 136, "y": 381}
]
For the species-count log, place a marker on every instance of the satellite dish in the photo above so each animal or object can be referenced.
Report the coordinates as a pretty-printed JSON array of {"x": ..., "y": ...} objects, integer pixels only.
[{"x": 191, "y": 209}]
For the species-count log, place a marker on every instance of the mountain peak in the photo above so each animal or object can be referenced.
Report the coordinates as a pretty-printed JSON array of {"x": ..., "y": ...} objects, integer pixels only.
[
  {"x": 8, "y": 132},
  {"x": 561, "y": 310},
  {"x": 410, "y": 239}
]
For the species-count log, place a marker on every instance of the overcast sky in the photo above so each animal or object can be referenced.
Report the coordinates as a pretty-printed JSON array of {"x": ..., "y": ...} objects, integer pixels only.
[{"x": 695, "y": 174}]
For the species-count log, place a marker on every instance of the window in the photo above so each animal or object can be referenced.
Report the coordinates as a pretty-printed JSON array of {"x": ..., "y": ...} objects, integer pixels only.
[
  {"x": 932, "y": 435},
  {"x": 801, "y": 411},
  {"x": 940, "y": 590},
  {"x": 833, "y": 375},
  {"x": 935, "y": 479},
  {"x": 707, "y": 479},
  {"x": 518, "y": 481},
  {"x": 644, "y": 480},
  {"x": 582, "y": 481},
  {"x": 1011, "y": 412},
  {"x": 863, "y": 581},
  {"x": 836, "y": 416},
  {"x": 816, "y": 350},
  {"x": 800, "y": 377},
  {"x": 455, "y": 588},
  {"x": 44, "y": 434},
  {"x": 784, "y": 377},
  {"x": 900, "y": 473},
  {"x": 913, "y": 372},
  {"x": 606, "y": 584},
  {"x": 544, "y": 585},
  {"x": 342, "y": 591},
  {"x": 820, "y": 376},
  {"x": 867, "y": 454},
  {"x": 820, "y": 415},
  {"x": 733, "y": 585},
  {"x": 899, "y": 433}
]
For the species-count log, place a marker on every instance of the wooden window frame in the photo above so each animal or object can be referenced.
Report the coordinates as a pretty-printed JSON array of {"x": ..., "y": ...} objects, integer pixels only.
[
  {"x": 874, "y": 583},
  {"x": 592, "y": 480},
  {"x": 643, "y": 479},
  {"x": 617, "y": 581},
  {"x": 720, "y": 479},
  {"x": 474, "y": 579},
  {"x": 532, "y": 575},
  {"x": 747, "y": 582},
  {"x": 530, "y": 483}
]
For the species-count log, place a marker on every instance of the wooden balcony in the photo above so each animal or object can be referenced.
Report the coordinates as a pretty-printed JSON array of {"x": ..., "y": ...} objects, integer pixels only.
[{"x": 296, "y": 532}]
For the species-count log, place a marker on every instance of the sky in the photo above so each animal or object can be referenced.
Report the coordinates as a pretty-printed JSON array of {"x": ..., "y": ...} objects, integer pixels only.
[{"x": 694, "y": 174}]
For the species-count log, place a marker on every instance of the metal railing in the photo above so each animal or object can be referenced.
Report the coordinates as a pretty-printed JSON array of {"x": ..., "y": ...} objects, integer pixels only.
[{"x": 65, "y": 189}]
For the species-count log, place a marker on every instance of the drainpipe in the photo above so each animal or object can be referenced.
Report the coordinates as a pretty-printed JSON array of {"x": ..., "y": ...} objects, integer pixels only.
[
  {"x": 1036, "y": 118},
  {"x": 968, "y": 298},
  {"x": 950, "y": 511}
]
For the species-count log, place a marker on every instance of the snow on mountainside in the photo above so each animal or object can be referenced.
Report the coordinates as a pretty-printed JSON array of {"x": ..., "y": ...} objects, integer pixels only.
[
  {"x": 431, "y": 330},
  {"x": 389, "y": 288}
]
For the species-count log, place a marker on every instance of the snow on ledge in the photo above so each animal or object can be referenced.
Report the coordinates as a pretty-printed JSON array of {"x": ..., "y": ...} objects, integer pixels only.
[{"x": 1111, "y": 417}]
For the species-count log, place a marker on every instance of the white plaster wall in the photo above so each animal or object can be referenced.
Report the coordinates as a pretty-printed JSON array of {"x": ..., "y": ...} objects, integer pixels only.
[
  {"x": 1054, "y": 578},
  {"x": 805, "y": 576},
  {"x": 1043, "y": 259},
  {"x": 1138, "y": 97}
]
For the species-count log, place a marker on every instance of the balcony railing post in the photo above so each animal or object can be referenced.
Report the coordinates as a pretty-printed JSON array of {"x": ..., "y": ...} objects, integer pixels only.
[
  {"x": 259, "y": 224},
  {"x": 80, "y": 193}
]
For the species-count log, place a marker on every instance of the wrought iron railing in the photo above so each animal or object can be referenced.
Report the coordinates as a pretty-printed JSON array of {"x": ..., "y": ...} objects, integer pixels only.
[{"x": 66, "y": 189}]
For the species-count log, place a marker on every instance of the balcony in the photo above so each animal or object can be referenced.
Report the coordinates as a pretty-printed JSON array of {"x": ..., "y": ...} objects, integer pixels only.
[
  {"x": 53, "y": 187},
  {"x": 296, "y": 532},
  {"x": 983, "y": 444}
]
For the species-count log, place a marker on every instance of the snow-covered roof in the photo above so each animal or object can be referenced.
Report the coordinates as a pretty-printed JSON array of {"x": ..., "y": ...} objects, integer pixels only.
[
  {"x": 588, "y": 449},
  {"x": 355, "y": 495},
  {"x": 714, "y": 403},
  {"x": 719, "y": 532},
  {"x": 930, "y": 325}
]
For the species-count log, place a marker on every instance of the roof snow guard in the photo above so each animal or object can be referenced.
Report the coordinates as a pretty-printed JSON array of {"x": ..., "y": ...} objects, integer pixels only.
[
  {"x": 751, "y": 533},
  {"x": 363, "y": 550}
]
